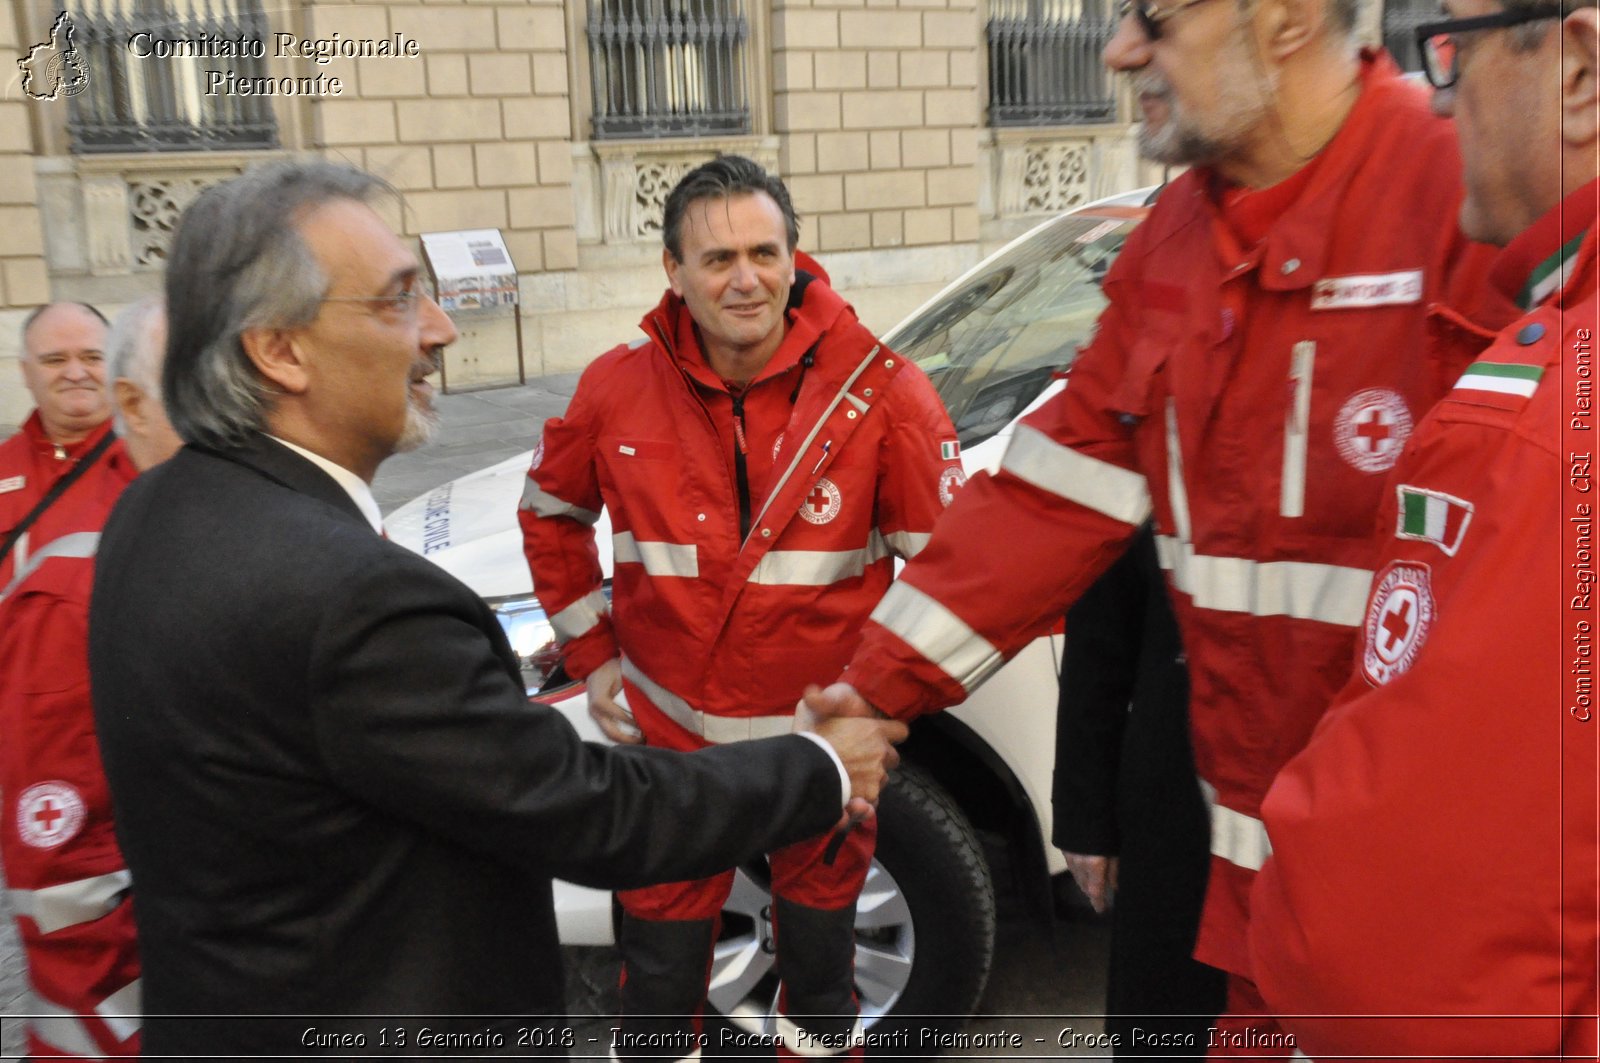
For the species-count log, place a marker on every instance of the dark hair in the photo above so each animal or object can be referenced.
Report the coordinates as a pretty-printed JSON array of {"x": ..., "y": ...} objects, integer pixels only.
[
  {"x": 33, "y": 315},
  {"x": 722, "y": 178},
  {"x": 238, "y": 263},
  {"x": 1530, "y": 35}
]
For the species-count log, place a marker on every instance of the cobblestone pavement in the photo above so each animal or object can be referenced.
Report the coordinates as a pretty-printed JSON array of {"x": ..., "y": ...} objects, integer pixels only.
[{"x": 478, "y": 429}]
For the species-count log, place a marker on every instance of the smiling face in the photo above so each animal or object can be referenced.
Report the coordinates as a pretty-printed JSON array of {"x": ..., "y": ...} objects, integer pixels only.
[
  {"x": 735, "y": 276},
  {"x": 63, "y": 367},
  {"x": 372, "y": 345}
]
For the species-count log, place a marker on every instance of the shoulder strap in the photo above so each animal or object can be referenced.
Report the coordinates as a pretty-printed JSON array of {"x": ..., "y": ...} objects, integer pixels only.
[{"x": 55, "y": 492}]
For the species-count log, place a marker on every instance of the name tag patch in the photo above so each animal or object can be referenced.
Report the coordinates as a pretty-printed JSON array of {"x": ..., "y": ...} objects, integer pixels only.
[
  {"x": 1403, "y": 288},
  {"x": 13, "y": 483}
]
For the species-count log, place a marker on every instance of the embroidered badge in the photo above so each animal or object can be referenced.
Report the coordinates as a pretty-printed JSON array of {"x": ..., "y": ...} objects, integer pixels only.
[
  {"x": 1399, "y": 615},
  {"x": 949, "y": 480},
  {"x": 538, "y": 455},
  {"x": 822, "y": 504},
  {"x": 49, "y": 814},
  {"x": 777, "y": 445},
  {"x": 1501, "y": 378},
  {"x": 13, "y": 483},
  {"x": 1432, "y": 517},
  {"x": 1402, "y": 288},
  {"x": 949, "y": 449},
  {"x": 1371, "y": 428}
]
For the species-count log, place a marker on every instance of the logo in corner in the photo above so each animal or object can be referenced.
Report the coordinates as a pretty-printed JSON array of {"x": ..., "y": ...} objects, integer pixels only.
[
  {"x": 822, "y": 504},
  {"x": 1371, "y": 427},
  {"x": 49, "y": 814},
  {"x": 55, "y": 68},
  {"x": 1399, "y": 615},
  {"x": 949, "y": 480}
]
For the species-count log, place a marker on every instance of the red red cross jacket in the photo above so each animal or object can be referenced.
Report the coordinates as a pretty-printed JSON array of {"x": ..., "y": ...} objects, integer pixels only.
[
  {"x": 1253, "y": 397},
  {"x": 29, "y": 466},
  {"x": 847, "y": 458},
  {"x": 66, "y": 875},
  {"x": 1435, "y": 843}
]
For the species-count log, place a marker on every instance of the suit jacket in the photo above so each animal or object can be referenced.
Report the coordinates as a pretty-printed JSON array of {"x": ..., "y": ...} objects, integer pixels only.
[{"x": 331, "y": 790}]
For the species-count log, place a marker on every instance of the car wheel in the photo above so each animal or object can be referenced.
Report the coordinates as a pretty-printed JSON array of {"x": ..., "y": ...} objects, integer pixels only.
[
  {"x": 924, "y": 926},
  {"x": 924, "y": 933}
]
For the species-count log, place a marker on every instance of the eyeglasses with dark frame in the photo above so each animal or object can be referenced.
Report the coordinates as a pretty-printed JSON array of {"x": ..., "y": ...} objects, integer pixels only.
[
  {"x": 1151, "y": 17},
  {"x": 1440, "y": 53}
]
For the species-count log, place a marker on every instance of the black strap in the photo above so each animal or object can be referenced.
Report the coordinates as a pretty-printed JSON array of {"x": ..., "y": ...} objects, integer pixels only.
[{"x": 56, "y": 492}]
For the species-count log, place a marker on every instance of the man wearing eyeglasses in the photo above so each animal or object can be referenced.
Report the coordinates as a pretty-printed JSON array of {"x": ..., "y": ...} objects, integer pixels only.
[
  {"x": 1434, "y": 846},
  {"x": 1261, "y": 362}
]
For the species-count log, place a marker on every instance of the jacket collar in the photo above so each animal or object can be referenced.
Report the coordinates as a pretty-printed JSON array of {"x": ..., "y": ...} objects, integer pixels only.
[
  {"x": 40, "y": 444},
  {"x": 267, "y": 457},
  {"x": 1541, "y": 261}
]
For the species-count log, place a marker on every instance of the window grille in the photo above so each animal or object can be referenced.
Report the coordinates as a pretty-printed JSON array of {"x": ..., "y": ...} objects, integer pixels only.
[
  {"x": 1400, "y": 17},
  {"x": 668, "y": 68},
  {"x": 1044, "y": 62},
  {"x": 161, "y": 103}
]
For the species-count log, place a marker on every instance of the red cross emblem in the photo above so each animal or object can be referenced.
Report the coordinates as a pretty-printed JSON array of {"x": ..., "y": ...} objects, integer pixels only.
[
  {"x": 1399, "y": 614},
  {"x": 1371, "y": 427},
  {"x": 823, "y": 503},
  {"x": 49, "y": 814}
]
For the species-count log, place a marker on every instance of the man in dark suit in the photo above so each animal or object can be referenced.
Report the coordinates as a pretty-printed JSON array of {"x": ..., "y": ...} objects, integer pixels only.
[{"x": 333, "y": 795}]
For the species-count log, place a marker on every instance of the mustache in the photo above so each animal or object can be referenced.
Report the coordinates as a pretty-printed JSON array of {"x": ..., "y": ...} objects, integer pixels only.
[{"x": 1150, "y": 83}]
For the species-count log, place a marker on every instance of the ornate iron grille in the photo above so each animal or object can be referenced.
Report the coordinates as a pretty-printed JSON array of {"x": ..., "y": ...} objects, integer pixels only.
[
  {"x": 161, "y": 103},
  {"x": 1044, "y": 62},
  {"x": 1400, "y": 17},
  {"x": 668, "y": 68}
]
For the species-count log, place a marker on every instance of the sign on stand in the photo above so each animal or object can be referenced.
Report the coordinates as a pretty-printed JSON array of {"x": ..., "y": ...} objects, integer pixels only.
[{"x": 475, "y": 282}]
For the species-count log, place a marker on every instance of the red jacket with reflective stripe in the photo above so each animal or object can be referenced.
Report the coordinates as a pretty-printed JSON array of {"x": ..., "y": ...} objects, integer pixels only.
[
  {"x": 55, "y": 822},
  {"x": 1435, "y": 843},
  {"x": 1255, "y": 397},
  {"x": 848, "y": 472},
  {"x": 29, "y": 466}
]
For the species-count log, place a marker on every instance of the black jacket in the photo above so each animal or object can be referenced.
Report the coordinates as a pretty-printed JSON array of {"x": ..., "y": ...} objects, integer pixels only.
[{"x": 332, "y": 793}]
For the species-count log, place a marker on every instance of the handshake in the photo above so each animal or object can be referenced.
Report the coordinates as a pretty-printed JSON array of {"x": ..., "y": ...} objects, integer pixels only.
[{"x": 861, "y": 736}]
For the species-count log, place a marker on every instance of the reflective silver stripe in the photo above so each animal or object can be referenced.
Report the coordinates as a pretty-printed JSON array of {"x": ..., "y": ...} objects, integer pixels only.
[
  {"x": 78, "y": 544},
  {"x": 1235, "y": 837},
  {"x": 58, "y": 907},
  {"x": 123, "y": 1011},
  {"x": 805, "y": 444},
  {"x": 1178, "y": 495},
  {"x": 795, "y": 1040},
  {"x": 1306, "y": 590},
  {"x": 1119, "y": 493},
  {"x": 1296, "y": 432},
  {"x": 544, "y": 504},
  {"x": 658, "y": 559},
  {"x": 714, "y": 729},
  {"x": 808, "y": 568},
  {"x": 904, "y": 543},
  {"x": 938, "y": 634},
  {"x": 580, "y": 617}
]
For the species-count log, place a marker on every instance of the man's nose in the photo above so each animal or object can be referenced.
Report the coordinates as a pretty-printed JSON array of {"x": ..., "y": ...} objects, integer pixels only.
[
  {"x": 744, "y": 275},
  {"x": 1129, "y": 48},
  {"x": 77, "y": 369},
  {"x": 434, "y": 327}
]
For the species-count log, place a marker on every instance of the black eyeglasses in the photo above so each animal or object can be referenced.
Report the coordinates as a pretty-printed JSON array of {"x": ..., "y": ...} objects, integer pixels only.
[
  {"x": 1436, "y": 40},
  {"x": 1151, "y": 17}
]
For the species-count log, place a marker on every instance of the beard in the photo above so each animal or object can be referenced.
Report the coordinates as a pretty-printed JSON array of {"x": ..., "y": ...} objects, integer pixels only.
[
  {"x": 1241, "y": 106},
  {"x": 422, "y": 420}
]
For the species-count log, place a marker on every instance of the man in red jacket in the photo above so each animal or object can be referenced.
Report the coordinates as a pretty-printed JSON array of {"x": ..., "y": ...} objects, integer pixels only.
[
  {"x": 763, "y": 458},
  {"x": 1434, "y": 846},
  {"x": 63, "y": 368},
  {"x": 66, "y": 874},
  {"x": 1260, "y": 364}
]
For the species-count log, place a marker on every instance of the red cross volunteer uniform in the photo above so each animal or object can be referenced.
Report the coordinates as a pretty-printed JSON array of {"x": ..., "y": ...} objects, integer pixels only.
[
  {"x": 1259, "y": 366},
  {"x": 66, "y": 877},
  {"x": 752, "y": 532},
  {"x": 1435, "y": 843}
]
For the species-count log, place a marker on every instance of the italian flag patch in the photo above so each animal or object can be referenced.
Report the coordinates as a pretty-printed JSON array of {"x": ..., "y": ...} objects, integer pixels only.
[
  {"x": 1432, "y": 517},
  {"x": 949, "y": 450},
  {"x": 1502, "y": 377}
]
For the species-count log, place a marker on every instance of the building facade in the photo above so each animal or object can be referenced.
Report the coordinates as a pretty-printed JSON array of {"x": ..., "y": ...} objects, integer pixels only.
[{"x": 915, "y": 135}]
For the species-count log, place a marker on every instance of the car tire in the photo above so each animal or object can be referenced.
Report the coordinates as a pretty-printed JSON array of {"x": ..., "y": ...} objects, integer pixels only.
[{"x": 924, "y": 934}]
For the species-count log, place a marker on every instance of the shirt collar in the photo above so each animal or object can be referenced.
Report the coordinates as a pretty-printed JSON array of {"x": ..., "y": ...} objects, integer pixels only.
[
  {"x": 1537, "y": 263},
  {"x": 353, "y": 485}
]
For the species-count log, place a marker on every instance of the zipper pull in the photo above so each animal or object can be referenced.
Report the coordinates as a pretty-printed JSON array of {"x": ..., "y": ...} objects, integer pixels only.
[
  {"x": 61, "y": 452},
  {"x": 738, "y": 423}
]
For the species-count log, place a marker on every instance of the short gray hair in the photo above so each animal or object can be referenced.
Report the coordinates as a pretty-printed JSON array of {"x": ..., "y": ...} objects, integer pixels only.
[
  {"x": 131, "y": 356},
  {"x": 1529, "y": 36},
  {"x": 237, "y": 263}
]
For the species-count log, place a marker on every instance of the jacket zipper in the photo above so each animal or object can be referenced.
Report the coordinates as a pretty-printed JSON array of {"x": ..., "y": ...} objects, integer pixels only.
[{"x": 740, "y": 472}]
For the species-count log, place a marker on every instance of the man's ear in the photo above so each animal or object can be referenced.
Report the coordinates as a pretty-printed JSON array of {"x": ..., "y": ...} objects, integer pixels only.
[
  {"x": 1286, "y": 26},
  {"x": 1580, "y": 69},
  {"x": 129, "y": 399},
  {"x": 671, "y": 265},
  {"x": 279, "y": 357}
]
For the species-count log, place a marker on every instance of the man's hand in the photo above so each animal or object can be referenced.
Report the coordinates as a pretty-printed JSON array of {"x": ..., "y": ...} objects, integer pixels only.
[
  {"x": 608, "y": 707},
  {"x": 1096, "y": 876},
  {"x": 867, "y": 751},
  {"x": 821, "y": 703}
]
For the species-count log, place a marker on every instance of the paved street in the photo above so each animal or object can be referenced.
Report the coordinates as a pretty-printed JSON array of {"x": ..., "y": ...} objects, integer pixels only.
[{"x": 1034, "y": 974}]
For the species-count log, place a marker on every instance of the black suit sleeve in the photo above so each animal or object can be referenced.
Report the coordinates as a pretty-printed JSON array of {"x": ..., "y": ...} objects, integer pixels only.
[{"x": 417, "y": 710}]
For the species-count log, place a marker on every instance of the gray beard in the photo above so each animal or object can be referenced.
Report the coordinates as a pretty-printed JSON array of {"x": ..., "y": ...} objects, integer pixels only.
[{"x": 421, "y": 426}]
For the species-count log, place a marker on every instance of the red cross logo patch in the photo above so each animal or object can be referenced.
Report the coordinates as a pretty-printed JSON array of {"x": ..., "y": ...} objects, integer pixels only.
[
  {"x": 1399, "y": 614},
  {"x": 1371, "y": 428},
  {"x": 822, "y": 504},
  {"x": 49, "y": 814},
  {"x": 949, "y": 480}
]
